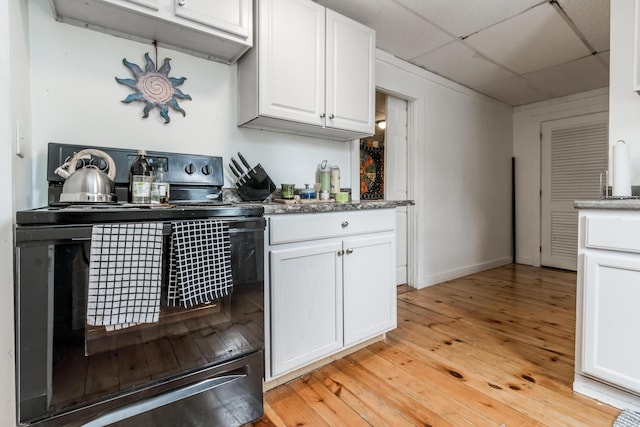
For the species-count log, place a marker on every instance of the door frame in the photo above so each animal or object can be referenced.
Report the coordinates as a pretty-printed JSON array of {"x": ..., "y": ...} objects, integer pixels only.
[{"x": 412, "y": 180}]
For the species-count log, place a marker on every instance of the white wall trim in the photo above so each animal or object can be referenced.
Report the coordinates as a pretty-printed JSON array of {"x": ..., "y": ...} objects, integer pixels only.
[{"x": 465, "y": 271}]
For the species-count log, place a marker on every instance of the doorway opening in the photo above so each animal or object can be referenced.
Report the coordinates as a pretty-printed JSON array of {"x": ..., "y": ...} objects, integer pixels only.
[{"x": 383, "y": 169}]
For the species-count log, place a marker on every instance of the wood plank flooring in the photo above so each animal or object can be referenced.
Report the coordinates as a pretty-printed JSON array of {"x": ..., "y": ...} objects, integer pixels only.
[{"x": 491, "y": 349}]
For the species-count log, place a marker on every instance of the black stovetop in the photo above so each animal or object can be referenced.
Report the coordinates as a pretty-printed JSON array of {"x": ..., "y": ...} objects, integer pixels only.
[{"x": 103, "y": 213}]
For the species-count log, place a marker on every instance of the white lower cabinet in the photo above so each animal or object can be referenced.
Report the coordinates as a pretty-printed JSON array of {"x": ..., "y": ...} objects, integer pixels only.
[
  {"x": 611, "y": 297},
  {"x": 328, "y": 293},
  {"x": 306, "y": 295},
  {"x": 607, "y": 315}
]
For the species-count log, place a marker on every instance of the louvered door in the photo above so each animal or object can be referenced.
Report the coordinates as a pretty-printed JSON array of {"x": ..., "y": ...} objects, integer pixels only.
[{"x": 574, "y": 153}]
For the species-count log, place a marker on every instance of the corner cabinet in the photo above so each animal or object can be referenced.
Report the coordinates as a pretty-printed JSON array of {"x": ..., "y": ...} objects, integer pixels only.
[
  {"x": 220, "y": 30},
  {"x": 311, "y": 73},
  {"x": 331, "y": 284},
  {"x": 607, "y": 314}
]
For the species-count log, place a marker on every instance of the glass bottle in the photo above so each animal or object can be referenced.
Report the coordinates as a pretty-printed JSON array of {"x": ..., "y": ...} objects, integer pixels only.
[
  {"x": 160, "y": 186},
  {"x": 140, "y": 179}
]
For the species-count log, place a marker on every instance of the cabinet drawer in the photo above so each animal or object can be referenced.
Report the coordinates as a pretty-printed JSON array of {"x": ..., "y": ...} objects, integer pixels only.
[
  {"x": 301, "y": 227},
  {"x": 613, "y": 233}
]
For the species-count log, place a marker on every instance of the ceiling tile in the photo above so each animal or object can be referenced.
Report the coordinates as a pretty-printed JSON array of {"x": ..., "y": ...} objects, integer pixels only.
[
  {"x": 575, "y": 76},
  {"x": 536, "y": 39},
  {"x": 514, "y": 91},
  {"x": 592, "y": 19},
  {"x": 462, "y": 64},
  {"x": 463, "y": 17},
  {"x": 405, "y": 34}
]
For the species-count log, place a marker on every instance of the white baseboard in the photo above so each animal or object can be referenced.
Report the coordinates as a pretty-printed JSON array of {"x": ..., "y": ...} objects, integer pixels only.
[
  {"x": 605, "y": 393},
  {"x": 434, "y": 279}
]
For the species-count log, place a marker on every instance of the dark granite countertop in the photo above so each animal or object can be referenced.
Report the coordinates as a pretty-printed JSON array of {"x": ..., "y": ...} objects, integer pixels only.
[
  {"x": 274, "y": 208},
  {"x": 610, "y": 203}
]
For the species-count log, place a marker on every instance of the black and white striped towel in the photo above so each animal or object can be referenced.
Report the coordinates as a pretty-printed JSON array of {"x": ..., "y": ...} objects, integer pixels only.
[
  {"x": 200, "y": 262},
  {"x": 125, "y": 271}
]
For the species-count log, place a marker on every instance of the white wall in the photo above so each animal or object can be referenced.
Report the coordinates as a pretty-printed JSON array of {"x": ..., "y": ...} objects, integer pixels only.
[
  {"x": 460, "y": 176},
  {"x": 624, "y": 113},
  {"x": 527, "y": 122},
  {"x": 75, "y": 99}
]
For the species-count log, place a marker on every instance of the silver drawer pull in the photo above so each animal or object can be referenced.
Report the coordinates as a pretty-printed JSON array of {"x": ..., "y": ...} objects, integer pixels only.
[
  {"x": 331, "y": 117},
  {"x": 182, "y": 2},
  {"x": 340, "y": 252},
  {"x": 345, "y": 224},
  {"x": 349, "y": 251}
]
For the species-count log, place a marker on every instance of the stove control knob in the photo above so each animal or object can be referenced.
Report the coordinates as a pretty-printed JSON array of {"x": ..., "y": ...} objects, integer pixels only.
[
  {"x": 207, "y": 170},
  {"x": 190, "y": 169}
]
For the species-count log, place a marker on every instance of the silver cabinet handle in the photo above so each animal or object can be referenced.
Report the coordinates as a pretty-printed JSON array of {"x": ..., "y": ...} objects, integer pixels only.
[
  {"x": 331, "y": 117},
  {"x": 349, "y": 251},
  {"x": 322, "y": 116},
  {"x": 345, "y": 224},
  {"x": 340, "y": 252},
  {"x": 182, "y": 2}
]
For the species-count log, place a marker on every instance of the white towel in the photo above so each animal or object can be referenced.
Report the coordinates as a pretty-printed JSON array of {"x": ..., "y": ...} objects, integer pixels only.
[
  {"x": 125, "y": 269},
  {"x": 200, "y": 262}
]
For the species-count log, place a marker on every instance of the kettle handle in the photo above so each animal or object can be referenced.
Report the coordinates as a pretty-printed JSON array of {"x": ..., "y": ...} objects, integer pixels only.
[{"x": 111, "y": 173}]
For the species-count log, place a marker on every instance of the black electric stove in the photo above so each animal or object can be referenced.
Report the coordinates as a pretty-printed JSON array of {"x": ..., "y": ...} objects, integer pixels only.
[
  {"x": 198, "y": 366},
  {"x": 196, "y": 189}
]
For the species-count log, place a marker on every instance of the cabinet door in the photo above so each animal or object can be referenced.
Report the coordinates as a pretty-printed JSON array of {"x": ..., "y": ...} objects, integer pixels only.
[
  {"x": 350, "y": 83},
  {"x": 291, "y": 35},
  {"x": 611, "y": 296},
  {"x": 369, "y": 286},
  {"x": 231, "y": 16},
  {"x": 306, "y": 303}
]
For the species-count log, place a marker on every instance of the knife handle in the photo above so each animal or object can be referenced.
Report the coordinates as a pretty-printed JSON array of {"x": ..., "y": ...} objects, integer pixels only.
[
  {"x": 244, "y": 161},
  {"x": 233, "y": 169},
  {"x": 237, "y": 166}
]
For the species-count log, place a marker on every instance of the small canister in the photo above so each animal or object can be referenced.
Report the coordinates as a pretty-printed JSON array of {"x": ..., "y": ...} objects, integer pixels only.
[
  {"x": 324, "y": 195},
  {"x": 288, "y": 191},
  {"x": 307, "y": 193},
  {"x": 324, "y": 176}
]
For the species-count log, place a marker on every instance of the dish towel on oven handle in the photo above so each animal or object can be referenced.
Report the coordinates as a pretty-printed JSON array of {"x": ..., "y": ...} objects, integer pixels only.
[
  {"x": 125, "y": 270},
  {"x": 200, "y": 262}
]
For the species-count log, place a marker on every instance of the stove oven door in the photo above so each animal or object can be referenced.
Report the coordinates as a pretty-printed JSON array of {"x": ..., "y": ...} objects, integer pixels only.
[{"x": 199, "y": 363}]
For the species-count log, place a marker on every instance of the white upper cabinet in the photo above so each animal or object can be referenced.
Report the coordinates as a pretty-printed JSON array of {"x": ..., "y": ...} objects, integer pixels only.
[
  {"x": 220, "y": 30},
  {"x": 311, "y": 73}
]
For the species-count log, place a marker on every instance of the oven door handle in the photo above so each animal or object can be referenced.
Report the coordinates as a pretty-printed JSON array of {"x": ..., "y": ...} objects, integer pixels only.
[{"x": 161, "y": 400}]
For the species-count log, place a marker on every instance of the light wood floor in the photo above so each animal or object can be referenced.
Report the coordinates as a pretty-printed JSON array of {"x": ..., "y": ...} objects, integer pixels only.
[{"x": 491, "y": 349}]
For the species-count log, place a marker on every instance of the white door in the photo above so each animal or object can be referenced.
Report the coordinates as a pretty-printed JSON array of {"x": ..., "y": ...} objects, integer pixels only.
[
  {"x": 350, "y": 85},
  {"x": 291, "y": 60},
  {"x": 396, "y": 176},
  {"x": 369, "y": 291},
  {"x": 306, "y": 304},
  {"x": 574, "y": 153}
]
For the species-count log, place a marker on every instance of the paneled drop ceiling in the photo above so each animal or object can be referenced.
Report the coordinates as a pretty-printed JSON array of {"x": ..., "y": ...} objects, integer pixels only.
[{"x": 516, "y": 51}]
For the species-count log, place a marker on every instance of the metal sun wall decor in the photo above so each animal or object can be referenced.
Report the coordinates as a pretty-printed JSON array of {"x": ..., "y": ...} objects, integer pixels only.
[{"x": 154, "y": 87}]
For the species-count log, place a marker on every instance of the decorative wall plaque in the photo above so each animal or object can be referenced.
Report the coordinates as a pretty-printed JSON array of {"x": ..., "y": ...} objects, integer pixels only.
[{"x": 154, "y": 87}]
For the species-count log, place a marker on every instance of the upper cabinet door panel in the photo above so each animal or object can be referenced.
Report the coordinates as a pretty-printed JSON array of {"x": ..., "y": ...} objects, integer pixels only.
[
  {"x": 232, "y": 16},
  {"x": 350, "y": 88},
  {"x": 291, "y": 37}
]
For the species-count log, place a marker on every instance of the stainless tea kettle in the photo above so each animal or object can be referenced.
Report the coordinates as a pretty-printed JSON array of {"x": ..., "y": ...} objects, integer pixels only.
[{"x": 88, "y": 184}]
